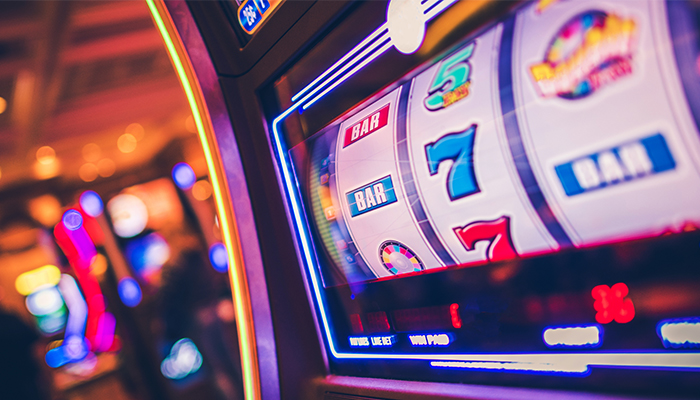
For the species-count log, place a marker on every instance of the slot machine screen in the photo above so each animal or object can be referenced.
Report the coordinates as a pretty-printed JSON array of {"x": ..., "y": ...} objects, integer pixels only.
[{"x": 521, "y": 208}]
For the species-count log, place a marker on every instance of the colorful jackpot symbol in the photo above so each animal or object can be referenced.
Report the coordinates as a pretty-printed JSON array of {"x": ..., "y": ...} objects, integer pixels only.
[
  {"x": 591, "y": 50},
  {"x": 452, "y": 80},
  {"x": 399, "y": 259},
  {"x": 496, "y": 232}
]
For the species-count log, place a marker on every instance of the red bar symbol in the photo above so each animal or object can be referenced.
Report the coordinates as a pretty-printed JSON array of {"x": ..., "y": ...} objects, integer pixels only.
[{"x": 368, "y": 125}]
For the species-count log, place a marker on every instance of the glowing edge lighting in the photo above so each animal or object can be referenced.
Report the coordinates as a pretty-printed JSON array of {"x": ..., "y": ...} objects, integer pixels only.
[
  {"x": 205, "y": 131},
  {"x": 556, "y": 360},
  {"x": 351, "y": 53}
]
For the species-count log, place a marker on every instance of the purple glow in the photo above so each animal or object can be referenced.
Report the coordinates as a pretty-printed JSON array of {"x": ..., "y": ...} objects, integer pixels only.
[{"x": 72, "y": 219}]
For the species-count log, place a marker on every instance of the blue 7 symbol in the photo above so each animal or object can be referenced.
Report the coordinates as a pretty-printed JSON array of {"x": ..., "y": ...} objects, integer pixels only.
[{"x": 458, "y": 147}]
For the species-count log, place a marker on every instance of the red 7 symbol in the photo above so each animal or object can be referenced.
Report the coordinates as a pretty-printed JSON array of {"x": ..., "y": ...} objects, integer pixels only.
[{"x": 497, "y": 232}]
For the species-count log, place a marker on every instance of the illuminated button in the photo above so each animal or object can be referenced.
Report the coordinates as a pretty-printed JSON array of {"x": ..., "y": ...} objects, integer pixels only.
[
  {"x": 361, "y": 341},
  {"x": 383, "y": 341},
  {"x": 680, "y": 333},
  {"x": 430, "y": 340},
  {"x": 573, "y": 336}
]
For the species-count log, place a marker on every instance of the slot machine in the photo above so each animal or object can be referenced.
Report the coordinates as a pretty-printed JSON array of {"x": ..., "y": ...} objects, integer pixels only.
[{"x": 453, "y": 199}]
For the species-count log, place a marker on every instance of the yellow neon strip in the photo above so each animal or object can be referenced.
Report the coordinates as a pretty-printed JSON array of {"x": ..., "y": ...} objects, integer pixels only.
[{"x": 205, "y": 130}]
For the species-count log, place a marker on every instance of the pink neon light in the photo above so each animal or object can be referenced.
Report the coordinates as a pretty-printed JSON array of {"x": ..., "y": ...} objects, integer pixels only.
[{"x": 80, "y": 251}]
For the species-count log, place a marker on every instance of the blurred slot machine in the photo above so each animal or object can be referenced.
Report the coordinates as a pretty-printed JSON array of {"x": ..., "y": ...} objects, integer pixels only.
[{"x": 439, "y": 192}]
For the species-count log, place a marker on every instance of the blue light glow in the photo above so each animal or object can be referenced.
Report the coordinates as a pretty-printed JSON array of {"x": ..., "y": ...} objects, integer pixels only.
[
  {"x": 148, "y": 254},
  {"x": 679, "y": 333},
  {"x": 72, "y": 219},
  {"x": 129, "y": 291},
  {"x": 91, "y": 203},
  {"x": 183, "y": 175},
  {"x": 184, "y": 359},
  {"x": 218, "y": 257},
  {"x": 74, "y": 348},
  {"x": 573, "y": 336}
]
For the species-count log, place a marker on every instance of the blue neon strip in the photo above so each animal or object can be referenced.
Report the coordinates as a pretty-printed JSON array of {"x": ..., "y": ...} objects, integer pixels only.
[
  {"x": 384, "y": 46},
  {"x": 372, "y": 38}
]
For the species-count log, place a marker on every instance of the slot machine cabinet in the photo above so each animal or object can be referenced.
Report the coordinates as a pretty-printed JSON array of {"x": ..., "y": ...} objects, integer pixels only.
[{"x": 453, "y": 199}]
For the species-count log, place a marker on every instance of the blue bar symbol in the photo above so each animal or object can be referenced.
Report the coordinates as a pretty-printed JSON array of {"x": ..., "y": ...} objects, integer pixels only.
[
  {"x": 630, "y": 161},
  {"x": 371, "y": 196}
]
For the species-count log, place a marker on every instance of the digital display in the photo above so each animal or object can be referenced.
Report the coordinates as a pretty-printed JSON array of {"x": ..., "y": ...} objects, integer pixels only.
[{"x": 525, "y": 202}]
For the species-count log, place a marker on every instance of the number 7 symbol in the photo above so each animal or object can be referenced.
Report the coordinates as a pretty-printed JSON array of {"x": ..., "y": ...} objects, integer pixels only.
[
  {"x": 458, "y": 147},
  {"x": 497, "y": 232}
]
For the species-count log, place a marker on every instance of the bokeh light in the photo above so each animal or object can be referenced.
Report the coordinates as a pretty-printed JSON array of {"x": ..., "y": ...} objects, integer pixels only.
[
  {"x": 184, "y": 359},
  {"x": 201, "y": 190},
  {"x": 106, "y": 167},
  {"x": 36, "y": 279},
  {"x": 126, "y": 143},
  {"x": 45, "y": 155},
  {"x": 218, "y": 257},
  {"x": 91, "y": 203},
  {"x": 183, "y": 175},
  {"x": 148, "y": 254},
  {"x": 129, "y": 215},
  {"x": 3, "y": 105},
  {"x": 129, "y": 291},
  {"x": 44, "y": 302},
  {"x": 45, "y": 209},
  {"x": 91, "y": 152},
  {"x": 135, "y": 130},
  {"x": 72, "y": 219},
  {"x": 88, "y": 172}
]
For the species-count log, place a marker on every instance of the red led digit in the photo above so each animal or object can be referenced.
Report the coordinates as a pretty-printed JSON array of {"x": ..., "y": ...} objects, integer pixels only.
[
  {"x": 356, "y": 323},
  {"x": 454, "y": 313},
  {"x": 612, "y": 304}
]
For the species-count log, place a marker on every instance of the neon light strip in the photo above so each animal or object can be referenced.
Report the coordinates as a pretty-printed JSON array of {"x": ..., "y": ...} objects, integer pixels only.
[
  {"x": 381, "y": 32},
  {"x": 386, "y": 46},
  {"x": 633, "y": 360},
  {"x": 244, "y": 318},
  {"x": 433, "y": 10},
  {"x": 521, "y": 367}
]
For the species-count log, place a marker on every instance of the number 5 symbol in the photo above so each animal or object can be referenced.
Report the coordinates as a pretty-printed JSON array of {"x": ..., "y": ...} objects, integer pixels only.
[
  {"x": 453, "y": 72},
  {"x": 497, "y": 232},
  {"x": 458, "y": 147}
]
